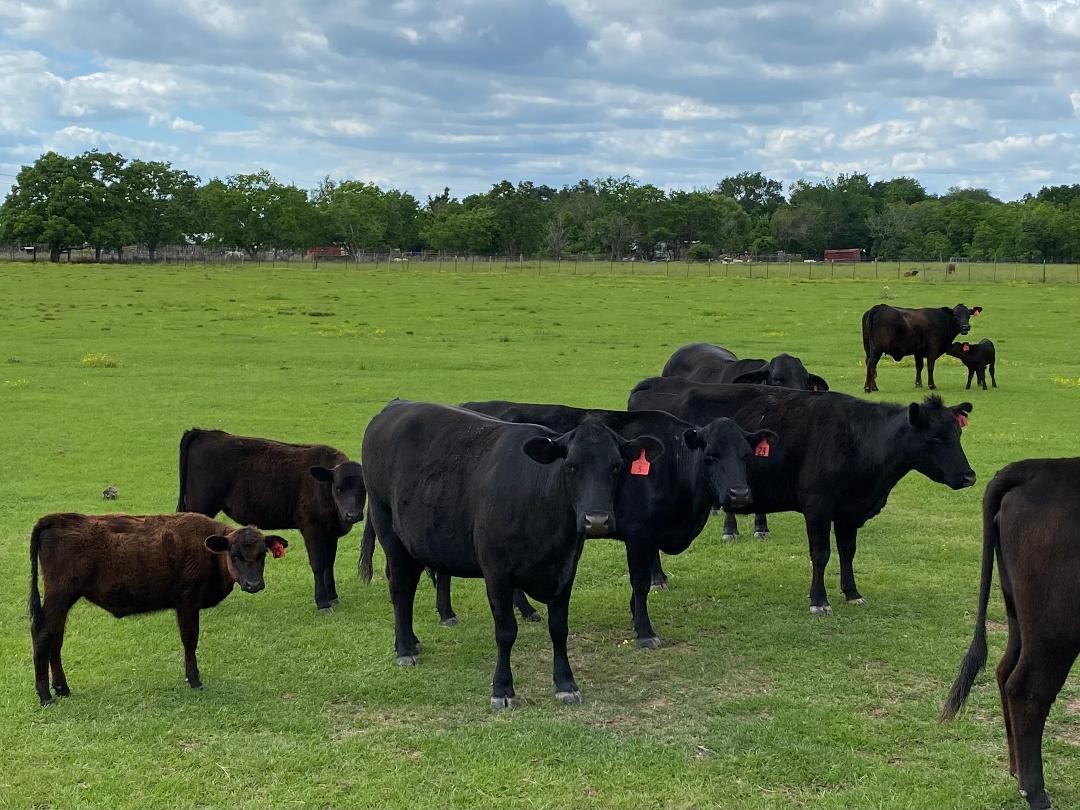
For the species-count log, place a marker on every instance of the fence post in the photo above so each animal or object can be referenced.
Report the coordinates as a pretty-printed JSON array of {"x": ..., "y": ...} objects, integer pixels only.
[{"x": 1044, "y": 271}]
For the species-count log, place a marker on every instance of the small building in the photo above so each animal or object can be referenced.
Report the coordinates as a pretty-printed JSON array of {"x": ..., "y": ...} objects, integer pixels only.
[{"x": 843, "y": 255}]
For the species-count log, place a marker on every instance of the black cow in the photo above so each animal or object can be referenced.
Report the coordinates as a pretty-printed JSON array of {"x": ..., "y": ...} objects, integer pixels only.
[
  {"x": 977, "y": 357},
  {"x": 471, "y": 496},
  {"x": 274, "y": 485},
  {"x": 664, "y": 509},
  {"x": 136, "y": 564},
  {"x": 704, "y": 362},
  {"x": 925, "y": 333},
  {"x": 840, "y": 458},
  {"x": 1031, "y": 523}
]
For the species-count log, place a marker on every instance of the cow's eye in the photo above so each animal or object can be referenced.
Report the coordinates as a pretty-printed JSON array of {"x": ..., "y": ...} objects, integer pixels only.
[
  {"x": 570, "y": 467},
  {"x": 615, "y": 469}
]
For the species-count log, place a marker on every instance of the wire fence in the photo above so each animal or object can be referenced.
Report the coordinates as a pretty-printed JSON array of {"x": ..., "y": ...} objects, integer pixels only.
[{"x": 761, "y": 267}]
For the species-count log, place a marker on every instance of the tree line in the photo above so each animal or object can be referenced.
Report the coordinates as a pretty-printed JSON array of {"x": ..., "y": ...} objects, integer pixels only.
[{"x": 106, "y": 202}]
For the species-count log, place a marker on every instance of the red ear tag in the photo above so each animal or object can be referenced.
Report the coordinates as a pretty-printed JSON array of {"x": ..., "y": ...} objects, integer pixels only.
[
  {"x": 640, "y": 465},
  {"x": 277, "y": 549},
  {"x": 966, "y": 347},
  {"x": 961, "y": 419},
  {"x": 762, "y": 449}
]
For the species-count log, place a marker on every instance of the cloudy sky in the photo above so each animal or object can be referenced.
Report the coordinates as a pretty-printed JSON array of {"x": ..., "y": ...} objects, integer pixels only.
[{"x": 418, "y": 94}]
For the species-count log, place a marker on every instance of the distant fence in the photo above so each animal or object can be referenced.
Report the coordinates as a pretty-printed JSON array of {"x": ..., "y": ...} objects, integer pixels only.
[{"x": 762, "y": 267}]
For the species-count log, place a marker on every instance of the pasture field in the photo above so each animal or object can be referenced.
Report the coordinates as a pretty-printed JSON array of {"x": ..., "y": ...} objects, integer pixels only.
[{"x": 752, "y": 703}]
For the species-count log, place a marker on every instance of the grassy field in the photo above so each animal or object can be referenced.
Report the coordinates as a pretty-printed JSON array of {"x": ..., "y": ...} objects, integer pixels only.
[{"x": 752, "y": 703}]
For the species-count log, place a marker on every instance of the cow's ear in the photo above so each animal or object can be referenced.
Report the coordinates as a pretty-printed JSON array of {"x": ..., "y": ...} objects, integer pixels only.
[
  {"x": 217, "y": 543},
  {"x": 976, "y": 310},
  {"x": 916, "y": 416},
  {"x": 322, "y": 474},
  {"x": 755, "y": 439},
  {"x": 692, "y": 439},
  {"x": 276, "y": 545},
  {"x": 817, "y": 383},
  {"x": 543, "y": 450},
  {"x": 653, "y": 447},
  {"x": 966, "y": 407},
  {"x": 756, "y": 377}
]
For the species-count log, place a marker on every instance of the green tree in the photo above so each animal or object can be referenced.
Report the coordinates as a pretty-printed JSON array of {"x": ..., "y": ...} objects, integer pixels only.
[
  {"x": 255, "y": 212},
  {"x": 161, "y": 202},
  {"x": 754, "y": 192}
]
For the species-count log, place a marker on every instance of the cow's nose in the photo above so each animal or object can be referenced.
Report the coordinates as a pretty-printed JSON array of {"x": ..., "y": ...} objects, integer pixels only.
[
  {"x": 739, "y": 495},
  {"x": 253, "y": 587},
  {"x": 352, "y": 517},
  {"x": 597, "y": 524},
  {"x": 964, "y": 330},
  {"x": 968, "y": 480}
]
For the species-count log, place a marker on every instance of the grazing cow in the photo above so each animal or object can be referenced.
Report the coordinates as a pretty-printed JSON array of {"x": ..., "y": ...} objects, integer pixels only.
[
  {"x": 977, "y": 357},
  {"x": 665, "y": 508},
  {"x": 130, "y": 565},
  {"x": 925, "y": 333},
  {"x": 310, "y": 487},
  {"x": 840, "y": 458},
  {"x": 1030, "y": 517},
  {"x": 471, "y": 496},
  {"x": 704, "y": 362}
]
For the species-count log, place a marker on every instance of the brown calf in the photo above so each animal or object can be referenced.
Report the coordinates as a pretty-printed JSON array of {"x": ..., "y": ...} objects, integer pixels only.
[
  {"x": 310, "y": 487},
  {"x": 130, "y": 565},
  {"x": 1031, "y": 515}
]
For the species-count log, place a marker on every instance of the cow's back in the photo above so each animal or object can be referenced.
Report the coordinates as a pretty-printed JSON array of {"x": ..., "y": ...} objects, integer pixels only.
[
  {"x": 130, "y": 564},
  {"x": 698, "y": 361}
]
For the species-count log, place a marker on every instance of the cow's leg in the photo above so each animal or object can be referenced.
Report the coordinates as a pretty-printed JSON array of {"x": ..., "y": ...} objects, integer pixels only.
[
  {"x": 731, "y": 527},
  {"x": 566, "y": 689},
  {"x": 59, "y": 678},
  {"x": 930, "y": 373},
  {"x": 982, "y": 377},
  {"x": 47, "y": 636},
  {"x": 316, "y": 544},
  {"x": 639, "y": 557},
  {"x": 1031, "y": 689},
  {"x": 845, "y": 549},
  {"x": 971, "y": 373},
  {"x": 447, "y": 617},
  {"x": 872, "y": 358},
  {"x": 501, "y": 598},
  {"x": 918, "y": 371},
  {"x": 817, "y": 533},
  {"x": 761, "y": 526},
  {"x": 657, "y": 577},
  {"x": 993, "y": 377},
  {"x": 404, "y": 574},
  {"x": 527, "y": 611},
  {"x": 187, "y": 618},
  {"x": 329, "y": 558},
  {"x": 1005, "y": 668}
]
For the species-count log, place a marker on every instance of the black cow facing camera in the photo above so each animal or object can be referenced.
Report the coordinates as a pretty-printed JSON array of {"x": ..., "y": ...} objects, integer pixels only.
[{"x": 978, "y": 357}]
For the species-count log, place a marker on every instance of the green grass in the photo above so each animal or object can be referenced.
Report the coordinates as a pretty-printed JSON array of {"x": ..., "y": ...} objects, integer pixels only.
[{"x": 752, "y": 703}]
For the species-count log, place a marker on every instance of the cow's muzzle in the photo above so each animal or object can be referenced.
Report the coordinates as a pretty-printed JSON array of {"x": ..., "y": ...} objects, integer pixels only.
[
  {"x": 353, "y": 517},
  {"x": 252, "y": 587},
  {"x": 738, "y": 497},
  {"x": 598, "y": 524},
  {"x": 964, "y": 481},
  {"x": 964, "y": 330}
]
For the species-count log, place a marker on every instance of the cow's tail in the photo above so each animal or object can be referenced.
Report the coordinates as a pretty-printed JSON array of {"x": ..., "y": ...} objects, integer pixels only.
[
  {"x": 868, "y": 328},
  {"x": 975, "y": 659},
  {"x": 185, "y": 447},
  {"x": 367, "y": 549},
  {"x": 33, "y": 603}
]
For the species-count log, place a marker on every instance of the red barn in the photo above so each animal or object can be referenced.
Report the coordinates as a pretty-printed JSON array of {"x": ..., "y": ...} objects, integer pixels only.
[{"x": 844, "y": 255}]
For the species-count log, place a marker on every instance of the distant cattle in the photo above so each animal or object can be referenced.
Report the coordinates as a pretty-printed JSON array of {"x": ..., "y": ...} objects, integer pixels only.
[
  {"x": 130, "y": 565},
  {"x": 471, "y": 496},
  {"x": 1031, "y": 523},
  {"x": 664, "y": 506},
  {"x": 925, "y": 333},
  {"x": 978, "y": 357},
  {"x": 704, "y": 362},
  {"x": 274, "y": 485},
  {"x": 839, "y": 459}
]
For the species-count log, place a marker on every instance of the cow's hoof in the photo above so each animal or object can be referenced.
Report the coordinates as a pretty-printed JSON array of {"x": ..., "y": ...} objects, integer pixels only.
[
  {"x": 62, "y": 690},
  {"x": 658, "y": 585},
  {"x": 532, "y": 617},
  {"x": 46, "y": 702},
  {"x": 500, "y": 703},
  {"x": 858, "y": 600},
  {"x": 408, "y": 660},
  {"x": 450, "y": 621},
  {"x": 334, "y": 600},
  {"x": 569, "y": 698},
  {"x": 762, "y": 535},
  {"x": 820, "y": 610},
  {"x": 324, "y": 611},
  {"x": 650, "y": 643},
  {"x": 729, "y": 538}
]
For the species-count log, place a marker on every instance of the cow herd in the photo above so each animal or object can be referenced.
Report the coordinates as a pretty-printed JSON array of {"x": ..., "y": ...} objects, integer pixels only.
[{"x": 509, "y": 492}]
